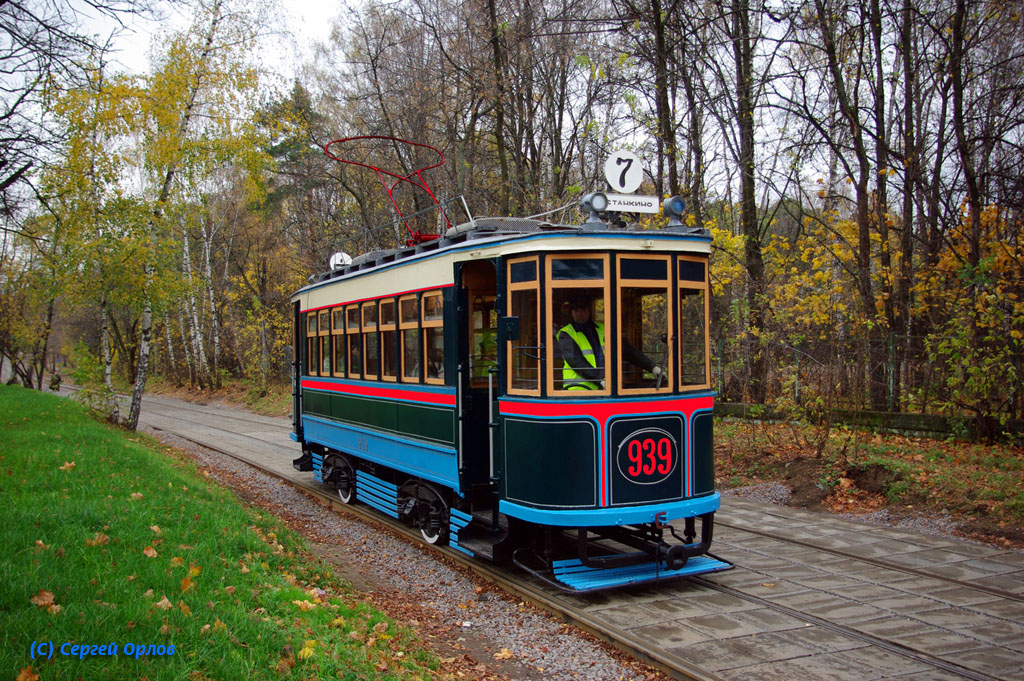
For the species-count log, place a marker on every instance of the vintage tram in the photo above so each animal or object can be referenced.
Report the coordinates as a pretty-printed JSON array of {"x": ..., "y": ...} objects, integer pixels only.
[{"x": 441, "y": 384}]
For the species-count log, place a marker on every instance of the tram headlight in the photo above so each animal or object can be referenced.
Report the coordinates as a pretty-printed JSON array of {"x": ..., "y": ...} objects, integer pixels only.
[
  {"x": 673, "y": 208},
  {"x": 595, "y": 202}
]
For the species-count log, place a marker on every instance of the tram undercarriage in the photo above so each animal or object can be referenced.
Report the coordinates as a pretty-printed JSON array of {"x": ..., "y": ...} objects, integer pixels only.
[{"x": 573, "y": 559}]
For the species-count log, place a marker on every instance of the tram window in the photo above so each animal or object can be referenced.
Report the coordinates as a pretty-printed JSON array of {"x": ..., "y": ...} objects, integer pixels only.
[
  {"x": 577, "y": 268},
  {"x": 693, "y": 324},
  {"x": 338, "y": 341},
  {"x": 484, "y": 340},
  {"x": 387, "y": 312},
  {"x": 433, "y": 336},
  {"x": 692, "y": 338},
  {"x": 409, "y": 327},
  {"x": 324, "y": 342},
  {"x": 312, "y": 345},
  {"x": 690, "y": 270},
  {"x": 650, "y": 269},
  {"x": 578, "y": 325},
  {"x": 388, "y": 337},
  {"x": 643, "y": 337},
  {"x": 644, "y": 325},
  {"x": 579, "y": 338},
  {"x": 519, "y": 272},
  {"x": 433, "y": 307},
  {"x": 524, "y": 355},
  {"x": 371, "y": 342},
  {"x": 355, "y": 341}
]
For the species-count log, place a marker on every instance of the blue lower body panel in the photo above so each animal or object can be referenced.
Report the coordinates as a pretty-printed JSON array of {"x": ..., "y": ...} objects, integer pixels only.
[
  {"x": 318, "y": 467},
  {"x": 579, "y": 577},
  {"x": 457, "y": 520},
  {"x": 613, "y": 515},
  {"x": 377, "y": 493},
  {"x": 421, "y": 459}
]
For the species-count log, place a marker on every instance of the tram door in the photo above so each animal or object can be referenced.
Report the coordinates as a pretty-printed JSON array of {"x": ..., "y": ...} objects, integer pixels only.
[{"x": 478, "y": 349}]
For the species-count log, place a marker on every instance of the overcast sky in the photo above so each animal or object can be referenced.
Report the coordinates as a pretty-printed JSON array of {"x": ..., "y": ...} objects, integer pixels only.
[{"x": 307, "y": 21}]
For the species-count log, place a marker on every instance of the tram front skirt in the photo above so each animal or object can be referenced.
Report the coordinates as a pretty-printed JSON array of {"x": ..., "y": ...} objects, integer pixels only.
[{"x": 600, "y": 558}]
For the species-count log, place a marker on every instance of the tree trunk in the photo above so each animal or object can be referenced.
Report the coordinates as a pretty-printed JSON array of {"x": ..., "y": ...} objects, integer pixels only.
[
  {"x": 743, "y": 52},
  {"x": 115, "y": 413},
  {"x": 499, "y": 105},
  {"x": 214, "y": 326}
]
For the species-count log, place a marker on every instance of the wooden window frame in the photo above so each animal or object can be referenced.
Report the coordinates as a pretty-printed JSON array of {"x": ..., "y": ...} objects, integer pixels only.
[
  {"x": 694, "y": 286},
  {"x": 403, "y": 327},
  {"x": 324, "y": 336},
  {"x": 509, "y": 354},
  {"x": 312, "y": 339},
  {"x": 665, "y": 283},
  {"x": 381, "y": 329},
  {"x": 605, "y": 284},
  {"x": 366, "y": 329},
  {"x": 338, "y": 339},
  {"x": 430, "y": 324},
  {"x": 349, "y": 332}
]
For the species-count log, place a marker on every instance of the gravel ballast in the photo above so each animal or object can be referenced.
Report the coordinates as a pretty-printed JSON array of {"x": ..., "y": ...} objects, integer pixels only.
[{"x": 468, "y": 609}]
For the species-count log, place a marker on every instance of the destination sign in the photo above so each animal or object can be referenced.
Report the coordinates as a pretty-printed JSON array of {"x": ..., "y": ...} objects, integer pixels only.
[{"x": 631, "y": 203}]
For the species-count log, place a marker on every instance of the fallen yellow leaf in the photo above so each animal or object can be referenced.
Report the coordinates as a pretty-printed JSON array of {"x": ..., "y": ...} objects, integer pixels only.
[
  {"x": 149, "y": 552},
  {"x": 307, "y": 650},
  {"x": 505, "y": 654},
  {"x": 68, "y": 465}
]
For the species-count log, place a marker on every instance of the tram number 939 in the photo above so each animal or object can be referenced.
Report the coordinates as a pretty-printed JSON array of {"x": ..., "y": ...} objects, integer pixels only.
[{"x": 647, "y": 457}]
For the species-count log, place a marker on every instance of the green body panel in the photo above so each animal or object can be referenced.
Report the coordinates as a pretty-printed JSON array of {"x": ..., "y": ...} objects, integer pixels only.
[
  {"x": 423, "y": 422},
  {"x": 703, "y": 454},
  {"x": 625, "y": 490},
  {"x": 555, "y": 463},
  {"x": 316, "y": 403},
  {"x": 427, "y": 423},
  {"x": 375, "y": 413}
]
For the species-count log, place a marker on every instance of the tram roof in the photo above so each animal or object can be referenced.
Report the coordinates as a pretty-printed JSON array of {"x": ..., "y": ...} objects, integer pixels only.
[{"x": 501, "y": 236}]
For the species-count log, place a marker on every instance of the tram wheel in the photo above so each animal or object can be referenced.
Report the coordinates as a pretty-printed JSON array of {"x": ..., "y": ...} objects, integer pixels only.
[
  {"x": 431, "y": 515},
  {"x": 346, "y": 478}
]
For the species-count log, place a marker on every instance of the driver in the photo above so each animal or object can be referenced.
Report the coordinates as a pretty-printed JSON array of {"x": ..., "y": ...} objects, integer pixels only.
[{"x": 581, "y": 343}]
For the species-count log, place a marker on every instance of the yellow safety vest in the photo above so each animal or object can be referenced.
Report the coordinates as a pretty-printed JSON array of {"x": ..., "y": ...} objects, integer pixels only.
[
  {"x": 570, "y": 379},
  {"x": 487, "y": 351}
]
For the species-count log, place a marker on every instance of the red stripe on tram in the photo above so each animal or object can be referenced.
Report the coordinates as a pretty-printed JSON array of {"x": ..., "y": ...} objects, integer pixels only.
[{"x": 424, "y": 397}]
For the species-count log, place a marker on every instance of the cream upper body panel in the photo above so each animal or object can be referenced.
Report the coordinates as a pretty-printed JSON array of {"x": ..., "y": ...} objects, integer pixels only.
[{"x": 434, "y": 269}]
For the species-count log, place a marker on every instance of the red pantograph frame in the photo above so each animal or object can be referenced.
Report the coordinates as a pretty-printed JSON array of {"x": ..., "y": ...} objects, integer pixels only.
[{"x": 414, "y": 237}]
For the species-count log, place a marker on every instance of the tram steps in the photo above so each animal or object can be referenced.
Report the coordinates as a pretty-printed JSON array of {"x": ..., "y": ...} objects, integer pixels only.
[{"x": 485, "y": 543}]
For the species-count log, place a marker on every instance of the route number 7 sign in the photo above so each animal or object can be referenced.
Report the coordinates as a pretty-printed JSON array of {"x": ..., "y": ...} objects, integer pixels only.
[{"x": 624, "y": 171}]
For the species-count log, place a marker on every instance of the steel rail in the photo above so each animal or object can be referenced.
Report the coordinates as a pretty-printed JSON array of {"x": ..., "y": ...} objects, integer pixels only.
[
  {"x": 877, "y": 562},
  {"x": 622, "y": 640},
  {"x": 513, "y": 584}
]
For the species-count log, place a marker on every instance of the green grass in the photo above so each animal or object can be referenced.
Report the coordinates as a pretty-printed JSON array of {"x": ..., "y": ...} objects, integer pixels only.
[{"x": 132, "y": 546}]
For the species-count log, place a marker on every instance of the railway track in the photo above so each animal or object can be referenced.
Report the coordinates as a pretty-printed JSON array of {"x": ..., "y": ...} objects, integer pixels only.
[{"x": 187, "y": 419}]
